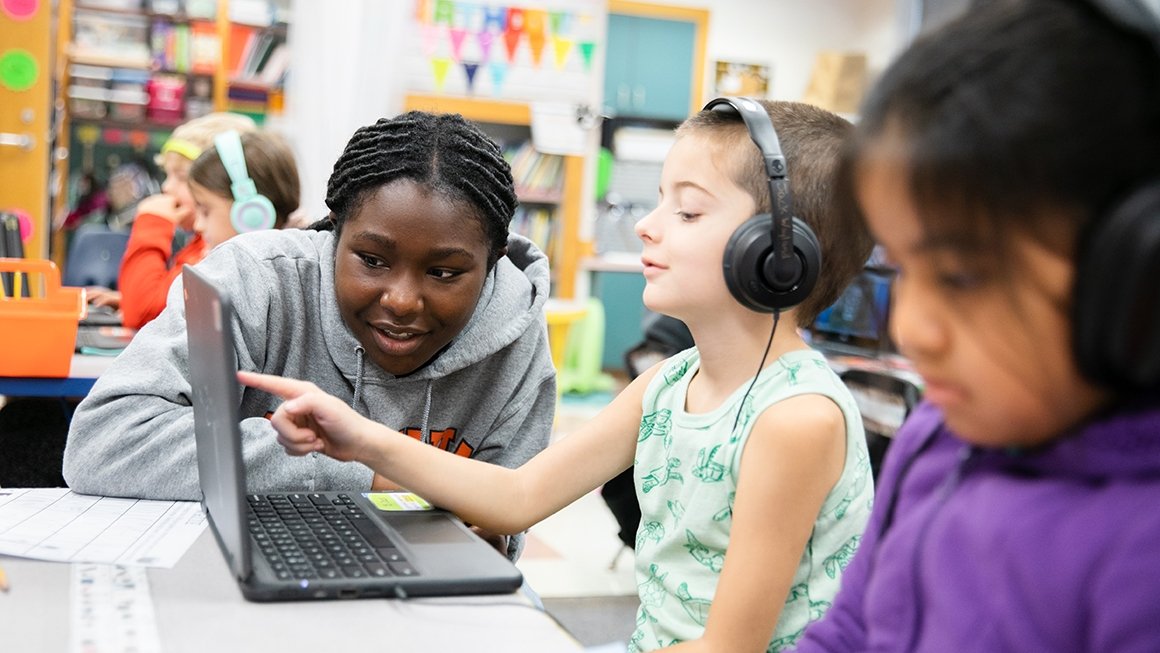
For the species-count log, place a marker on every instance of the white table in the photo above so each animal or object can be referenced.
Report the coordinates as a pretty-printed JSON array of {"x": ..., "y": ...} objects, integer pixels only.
[{"x": 198, "y": 607}]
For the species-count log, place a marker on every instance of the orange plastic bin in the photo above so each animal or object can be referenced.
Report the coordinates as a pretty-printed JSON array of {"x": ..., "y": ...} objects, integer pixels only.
[{"x": 39, "y": 331}]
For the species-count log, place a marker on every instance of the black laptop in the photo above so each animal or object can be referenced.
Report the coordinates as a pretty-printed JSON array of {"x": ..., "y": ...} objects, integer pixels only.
[
  {"x": 857, "y": 323},
  {"x": 315, "y": 545}
]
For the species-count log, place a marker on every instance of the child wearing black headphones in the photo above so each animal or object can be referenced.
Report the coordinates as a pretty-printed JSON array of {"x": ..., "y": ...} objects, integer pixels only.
[
  {"x": 764, "y": 459},
  {"x": 1010, "y": 165}
]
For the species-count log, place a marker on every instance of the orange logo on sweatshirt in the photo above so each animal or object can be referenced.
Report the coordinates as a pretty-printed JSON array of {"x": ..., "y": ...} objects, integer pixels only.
[{"x": 448, "y": 440}]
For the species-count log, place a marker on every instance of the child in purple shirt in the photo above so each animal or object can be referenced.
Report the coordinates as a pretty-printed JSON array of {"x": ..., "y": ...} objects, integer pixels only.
[{"x": 1010, "y": 165}]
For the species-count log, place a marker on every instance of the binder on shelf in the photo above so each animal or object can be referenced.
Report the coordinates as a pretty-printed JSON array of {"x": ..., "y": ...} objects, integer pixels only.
[
  {"x": 204, "y": 47},
  {"x": 161, "y": 44},
  {"x": 273, "y": 72},
  {"x": 241, "y": 46}
]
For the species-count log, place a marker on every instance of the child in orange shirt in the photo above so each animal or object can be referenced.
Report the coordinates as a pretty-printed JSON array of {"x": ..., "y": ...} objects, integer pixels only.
[{"x": 150, "y": 264}]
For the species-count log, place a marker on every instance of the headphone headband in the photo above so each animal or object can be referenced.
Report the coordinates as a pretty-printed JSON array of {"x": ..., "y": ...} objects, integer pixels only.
[
  {"x": 772, "y": 260},
  {"x": 251, "y": 210},
  {"x": 760, "y": 130},
  {"x": 785, "y": 269},
  {"x": 233, "y": 158},
  {"x": 1140, "y": 16}
]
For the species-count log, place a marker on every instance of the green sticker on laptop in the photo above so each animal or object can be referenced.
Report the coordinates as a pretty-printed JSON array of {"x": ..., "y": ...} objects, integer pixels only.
[{"x": 397, "y": 501}]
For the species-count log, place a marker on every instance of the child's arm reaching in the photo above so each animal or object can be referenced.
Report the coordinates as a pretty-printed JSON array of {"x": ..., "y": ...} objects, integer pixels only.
[
  {"x": 794, "y": 456},
  {"x": 495, "y": 498},
  {"x": 312, "y": 420}
]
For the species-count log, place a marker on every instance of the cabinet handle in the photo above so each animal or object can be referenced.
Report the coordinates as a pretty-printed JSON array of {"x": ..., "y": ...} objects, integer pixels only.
[
  {"x": 638, "y": 95},
  {"x": 23, "y": 141}
]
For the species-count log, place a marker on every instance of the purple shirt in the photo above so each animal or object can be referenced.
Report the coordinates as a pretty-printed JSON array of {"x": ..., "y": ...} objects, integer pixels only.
[{"x": 1056, "y": 549}]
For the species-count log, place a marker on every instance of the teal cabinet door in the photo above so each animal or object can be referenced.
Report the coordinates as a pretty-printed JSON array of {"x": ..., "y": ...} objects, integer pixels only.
[
  {"x": 620, "y": 64},
  {"x": 648, "y": 67},
  {"x": 620, "y": 292},
  {"x": 664, "y": 68}
]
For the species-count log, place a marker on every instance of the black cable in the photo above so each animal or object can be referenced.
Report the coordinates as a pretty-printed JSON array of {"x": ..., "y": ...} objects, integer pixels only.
[
  {"x": 761, "y": 366},
  {"x": 419, "y": 600}
]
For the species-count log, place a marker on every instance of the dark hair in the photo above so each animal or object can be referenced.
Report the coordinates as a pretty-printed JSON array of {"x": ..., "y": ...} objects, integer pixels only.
[
  {"x": 1028, "y": 116},
  {"x": 812, "y": 140},
  {"x": 443, "y": 152},
  {"x": 270, "y": 164}
]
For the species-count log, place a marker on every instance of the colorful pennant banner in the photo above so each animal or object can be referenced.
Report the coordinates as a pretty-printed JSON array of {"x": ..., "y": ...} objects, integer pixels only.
[{"x": 461, "y": 35}]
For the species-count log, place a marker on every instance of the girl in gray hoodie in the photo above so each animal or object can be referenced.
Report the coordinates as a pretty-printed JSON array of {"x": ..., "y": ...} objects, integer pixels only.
[{"x": 410, "y": 300}]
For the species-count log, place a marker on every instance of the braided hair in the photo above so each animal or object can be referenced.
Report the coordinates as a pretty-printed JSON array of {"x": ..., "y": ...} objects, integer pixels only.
[{"x": 443, "y": 152}]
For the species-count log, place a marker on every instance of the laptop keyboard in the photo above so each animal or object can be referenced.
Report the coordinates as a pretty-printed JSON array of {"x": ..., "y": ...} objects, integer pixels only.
[{"x": 310, "y": 535}]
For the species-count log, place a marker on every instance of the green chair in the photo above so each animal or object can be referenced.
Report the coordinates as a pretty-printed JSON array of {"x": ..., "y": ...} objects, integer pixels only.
[{"x": 581, "y": 372}]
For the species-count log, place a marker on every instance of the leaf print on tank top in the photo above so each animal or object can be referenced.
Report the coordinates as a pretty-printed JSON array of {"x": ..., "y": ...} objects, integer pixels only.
[
  {"x": 840, "y": 559},
  {"x": 702, "y": 554},
  {"x": 653, "y": 531},
  {"x": 661, "y": 475},
  {"x": 657, "y": 423},
  {"x": 696, "y": 608},
  {"x": 707, "y": 469}
]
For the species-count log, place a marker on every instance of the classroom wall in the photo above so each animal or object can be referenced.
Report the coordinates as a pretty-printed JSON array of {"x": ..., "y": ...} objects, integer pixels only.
[
  {"x": 787, "y": 34},
  {"x": 343, "y": 77},
  {"x": 346, "y": 60}
]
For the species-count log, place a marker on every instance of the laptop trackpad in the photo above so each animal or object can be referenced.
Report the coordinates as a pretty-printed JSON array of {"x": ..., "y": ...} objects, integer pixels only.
[{"x": 427, "y": 528}]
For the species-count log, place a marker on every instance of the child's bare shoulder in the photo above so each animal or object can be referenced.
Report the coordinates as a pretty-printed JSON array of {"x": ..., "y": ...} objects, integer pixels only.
[{"x": 809, "y": 415}]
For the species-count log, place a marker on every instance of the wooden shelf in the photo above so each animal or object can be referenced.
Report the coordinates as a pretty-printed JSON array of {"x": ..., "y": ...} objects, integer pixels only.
[
  {"x": 113, "y": 123},
  {"x": 568, "y": 201},
  {"x": 88, "y": 59},
  {"x": 538, "y": 197},
  {"x": 494, "y": 111}
]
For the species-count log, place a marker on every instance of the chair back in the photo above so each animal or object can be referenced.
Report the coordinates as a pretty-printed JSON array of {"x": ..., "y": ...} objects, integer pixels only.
[
  {"x": 94, "y": 258},
  {"x": 885, "y": 400}
]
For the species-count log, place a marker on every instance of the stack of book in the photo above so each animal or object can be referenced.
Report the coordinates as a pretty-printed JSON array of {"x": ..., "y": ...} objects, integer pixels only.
[
  {"x": 537, "y": 176},
  {"x": 257, "y": 55},
  {"x": 110, "y": 39},
  {"x": 184, "y": 47},
  {"x": 535, "y": 223}
]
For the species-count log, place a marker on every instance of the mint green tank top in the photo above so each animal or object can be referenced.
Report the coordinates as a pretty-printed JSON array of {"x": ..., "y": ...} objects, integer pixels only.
[{"x": 686, "y": 473}]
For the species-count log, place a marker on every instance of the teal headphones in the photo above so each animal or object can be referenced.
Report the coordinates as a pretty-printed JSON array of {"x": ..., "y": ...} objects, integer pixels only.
[{"x": 251, "y": 211}]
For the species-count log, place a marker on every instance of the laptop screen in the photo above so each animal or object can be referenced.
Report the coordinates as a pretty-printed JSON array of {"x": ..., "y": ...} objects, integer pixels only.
[
  {"x": 859, "y": 317},
  {"x": 213, "y": 376}
]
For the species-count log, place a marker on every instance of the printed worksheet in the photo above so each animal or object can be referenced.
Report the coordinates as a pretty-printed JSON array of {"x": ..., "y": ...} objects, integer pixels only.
[
  {"x": 59, "y": 525},
  {"x": 112, "y": 610}
]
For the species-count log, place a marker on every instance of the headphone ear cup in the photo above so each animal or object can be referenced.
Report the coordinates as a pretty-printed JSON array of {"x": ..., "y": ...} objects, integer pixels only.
[
  {"x": 1116, "y": 311},
  {"x": 253, "y": 214},
  {"x": 747, "y": 255}
]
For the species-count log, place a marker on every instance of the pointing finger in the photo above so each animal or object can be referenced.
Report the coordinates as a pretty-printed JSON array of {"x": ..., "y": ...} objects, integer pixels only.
[{"x": 275, "y": 385}]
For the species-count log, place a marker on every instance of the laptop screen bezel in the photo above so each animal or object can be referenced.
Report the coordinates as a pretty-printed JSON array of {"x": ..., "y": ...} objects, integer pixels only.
[{"x": 215, "y": 394}]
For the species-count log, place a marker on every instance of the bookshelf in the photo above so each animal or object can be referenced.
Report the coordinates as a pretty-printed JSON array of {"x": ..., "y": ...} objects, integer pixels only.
[
  {"x": 549, "y": 187},
  {"x": 129, "y": 71},
  {"x": 172, "y": 60}
]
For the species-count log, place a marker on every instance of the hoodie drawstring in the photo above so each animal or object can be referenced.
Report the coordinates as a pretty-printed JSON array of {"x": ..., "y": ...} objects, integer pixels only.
[
  {"x": 358, "y": 379},
  {"x": 358, "y": 383},
  {"x": 427, "y": 414}
]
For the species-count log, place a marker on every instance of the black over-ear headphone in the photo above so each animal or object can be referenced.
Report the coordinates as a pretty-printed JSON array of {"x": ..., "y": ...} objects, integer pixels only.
[
  {"x": 1117, "y": 292},
  {"x": 772, "y": 260}
]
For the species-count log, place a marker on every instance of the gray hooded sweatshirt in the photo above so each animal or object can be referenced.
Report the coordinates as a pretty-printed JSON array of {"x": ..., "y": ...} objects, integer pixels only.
[{"x": 490, "y": 394}]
